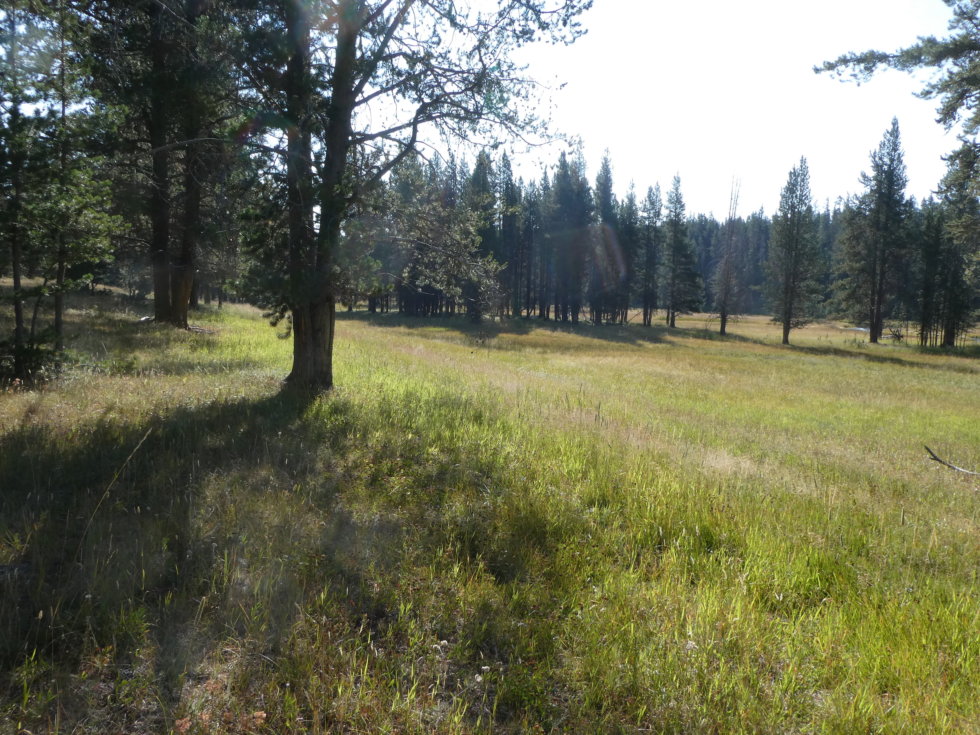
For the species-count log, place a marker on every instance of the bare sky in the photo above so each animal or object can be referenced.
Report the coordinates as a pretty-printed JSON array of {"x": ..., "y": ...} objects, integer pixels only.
[{"x": 717, "y": 89}]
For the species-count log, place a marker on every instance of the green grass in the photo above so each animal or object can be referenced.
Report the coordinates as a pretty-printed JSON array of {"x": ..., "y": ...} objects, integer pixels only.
[{"x": 510, "y": 528}]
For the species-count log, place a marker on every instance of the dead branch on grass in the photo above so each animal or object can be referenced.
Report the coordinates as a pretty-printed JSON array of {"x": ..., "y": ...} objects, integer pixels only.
[{"x": 933, "y": 456}]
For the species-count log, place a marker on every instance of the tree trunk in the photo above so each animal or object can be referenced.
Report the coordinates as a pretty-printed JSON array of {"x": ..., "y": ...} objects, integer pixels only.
[
  {"x": 61, "y": 264},
  {"x": 16, "y": 267},
  {"x": 59, "y": 295},
  {"x": 160, "y": 177},
  {"x": 312, "y": 303},
  {"x": 15, "y": 202},
  {"x": 313, "y": 332},
  {"x": 182, "y": 271}
]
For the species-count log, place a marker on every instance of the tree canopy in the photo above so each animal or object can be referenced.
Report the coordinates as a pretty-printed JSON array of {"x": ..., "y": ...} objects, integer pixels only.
[{"x": 955, "y": 59}]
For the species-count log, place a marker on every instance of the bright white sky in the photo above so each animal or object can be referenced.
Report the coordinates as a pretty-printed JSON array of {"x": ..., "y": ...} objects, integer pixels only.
[{"x": 717, "y": 89}]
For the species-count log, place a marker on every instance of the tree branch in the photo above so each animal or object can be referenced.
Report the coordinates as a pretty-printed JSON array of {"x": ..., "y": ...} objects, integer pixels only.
[{"x": 935, "y": 458}]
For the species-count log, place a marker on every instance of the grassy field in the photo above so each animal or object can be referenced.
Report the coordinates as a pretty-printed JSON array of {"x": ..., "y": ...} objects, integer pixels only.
[{"x": 508, "y": 528}]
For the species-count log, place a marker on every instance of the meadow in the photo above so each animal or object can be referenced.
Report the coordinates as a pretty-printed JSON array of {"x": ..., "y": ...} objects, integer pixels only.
[{"x": 514, "y": 527}]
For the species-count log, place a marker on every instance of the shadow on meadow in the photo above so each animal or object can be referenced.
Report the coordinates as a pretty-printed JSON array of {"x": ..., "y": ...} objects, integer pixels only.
[
  {"x": 482, "y": 334},
  {"x": 102, "y": 520},
  {"x": 871, "y": 353},
  {"x": 136, "y": 557}
]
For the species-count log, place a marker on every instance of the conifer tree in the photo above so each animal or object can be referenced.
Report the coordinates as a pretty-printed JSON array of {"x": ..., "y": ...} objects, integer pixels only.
[
  {"x": 793, "y": 265},
  {"x": 706, "y": 235},
  {"x": 511, "y": 249},
  {"x": 605, "y": 259},
  {"x": 950, "y": 253},
  {"x": 481, "y": 200},
  {"x": 531, "y": 238},
  {"x": 651, "y": 243},
  {"x": 680, "y": 284},
  {"x": 546, "y": 248},
  {"x": 55, "y": 212},
  {"x": 570, "y": 217},
  {"x": 874, "y": 238},
  {"x": 630, "y": 244}
]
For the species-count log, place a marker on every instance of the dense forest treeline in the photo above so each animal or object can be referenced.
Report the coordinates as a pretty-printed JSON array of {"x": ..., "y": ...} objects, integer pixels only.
[
  {"x": 210, "y": 150},
  {"x": 568, "y": 249}
]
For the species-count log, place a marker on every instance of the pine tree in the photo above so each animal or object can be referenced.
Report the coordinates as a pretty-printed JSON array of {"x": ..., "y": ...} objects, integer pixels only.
[
  {"x": 531, "y": 238},
  {"x": 706, "y": 235},
  {"x": 651, "y": 244},
  {"x": 605, "y": 258},
  {"x": 546, "y": 248},
  {"x": 793, "y": 265},
  {"x": 874, "y": 237},
  {"x": 758, "y": 232},
  {"x": 511, "y": 250},
  {"x": 951, "y": 278},
  {"x": 481, "y": 199},
  {"x": 680, "y": 284},
  {"x": 56, "y": 200},
  {"x": 630, "y": 244},
  {"x": 570, "y": 217}
]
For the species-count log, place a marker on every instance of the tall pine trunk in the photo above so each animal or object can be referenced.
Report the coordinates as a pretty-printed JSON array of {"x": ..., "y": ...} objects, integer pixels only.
[
  {"x": 15, "y": 201},
  {"x": 61, "y": 264},
  {"x": 160, "y": 176},
  {"x": 183, "y": 266}
]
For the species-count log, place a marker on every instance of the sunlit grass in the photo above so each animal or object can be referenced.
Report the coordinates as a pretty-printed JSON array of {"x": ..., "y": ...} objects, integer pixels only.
[{"x": 500, "y": 528}]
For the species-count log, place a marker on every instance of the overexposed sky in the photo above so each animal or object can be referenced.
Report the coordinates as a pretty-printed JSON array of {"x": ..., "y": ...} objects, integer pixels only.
[{"x": 717, "y": 89}]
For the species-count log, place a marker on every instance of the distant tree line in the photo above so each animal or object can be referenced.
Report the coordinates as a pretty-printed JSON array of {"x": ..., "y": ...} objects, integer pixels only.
[
  {"x": 211, "y": 150},
  {"x": 565, "y": 249}
]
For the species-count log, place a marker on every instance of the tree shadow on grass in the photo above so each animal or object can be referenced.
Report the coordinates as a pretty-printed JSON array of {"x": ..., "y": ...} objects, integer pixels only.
[
  {"x": 485, "y": 332},
  {"x": 133, "y": 552},
  {"x": 636, "y": 335},
  {"x": 109, "y": 503},
  {"x": 870, "y": 353}
]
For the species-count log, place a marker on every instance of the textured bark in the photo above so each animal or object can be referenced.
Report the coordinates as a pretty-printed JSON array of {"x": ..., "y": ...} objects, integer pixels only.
[{"x": 313, "y": 332}]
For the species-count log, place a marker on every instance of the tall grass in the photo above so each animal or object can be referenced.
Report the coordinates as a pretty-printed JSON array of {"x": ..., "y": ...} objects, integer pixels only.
[{"x": 512, "y": 528}]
